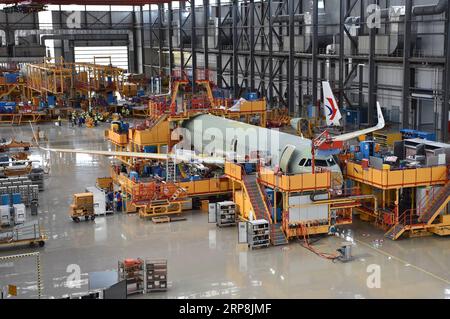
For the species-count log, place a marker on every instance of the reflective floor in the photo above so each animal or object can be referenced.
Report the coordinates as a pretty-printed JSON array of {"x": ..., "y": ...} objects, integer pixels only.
[{"x": 205, "y": 261}]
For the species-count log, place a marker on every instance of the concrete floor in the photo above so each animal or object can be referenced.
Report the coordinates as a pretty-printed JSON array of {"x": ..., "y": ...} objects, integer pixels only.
[{"x": 204, "y": 261}]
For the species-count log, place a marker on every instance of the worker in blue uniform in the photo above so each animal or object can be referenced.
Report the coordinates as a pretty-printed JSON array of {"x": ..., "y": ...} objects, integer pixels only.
[{"x": 119, "y": 201}]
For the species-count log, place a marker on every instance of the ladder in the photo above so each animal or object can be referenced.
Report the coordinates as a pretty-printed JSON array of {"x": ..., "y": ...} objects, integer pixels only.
[
  {"x": 16, "y": 119},
  {"x": 177, "y": 193},
  {"x": 170, "y": 173}
]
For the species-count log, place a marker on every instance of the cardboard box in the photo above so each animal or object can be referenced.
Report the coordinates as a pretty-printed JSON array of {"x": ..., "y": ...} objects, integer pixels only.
[{"x": 204, "y": 206}]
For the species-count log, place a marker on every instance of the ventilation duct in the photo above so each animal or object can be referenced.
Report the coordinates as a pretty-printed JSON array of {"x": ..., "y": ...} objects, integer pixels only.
[
  {"x": 285, "y": 18},
  {"x": 72, "y": 32},
  {"x": 439, "y": 8},
  {"x": 3, "y": 36}
]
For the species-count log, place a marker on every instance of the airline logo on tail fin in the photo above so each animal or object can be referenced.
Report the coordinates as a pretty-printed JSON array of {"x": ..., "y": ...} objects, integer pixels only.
[{"x": 332, "y": 113}]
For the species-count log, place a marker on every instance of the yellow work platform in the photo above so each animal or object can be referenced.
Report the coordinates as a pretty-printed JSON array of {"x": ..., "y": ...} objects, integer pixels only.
[
  {"x": 116, "y": 138},
  {"x": 394, "y": 179},
  {"x": 159, "y": 134},
  {"x": 296, "y": 183}
]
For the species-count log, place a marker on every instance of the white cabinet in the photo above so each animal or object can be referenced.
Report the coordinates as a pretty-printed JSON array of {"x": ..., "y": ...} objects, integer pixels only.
[
  {"x": 19, "y": 213},
  {"x": 5, "y": 216},
  {"x": 225, "y": 214},
  {"x": 258, "y": 233}
]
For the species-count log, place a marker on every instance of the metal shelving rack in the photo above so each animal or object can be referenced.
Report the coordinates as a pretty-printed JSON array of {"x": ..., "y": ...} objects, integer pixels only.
[
  {"x": 258, "y": 233},
  {"x": 156, "y": 275},
  {"x": 225, "y": 214},
  {"x": 133, "y": 274}
]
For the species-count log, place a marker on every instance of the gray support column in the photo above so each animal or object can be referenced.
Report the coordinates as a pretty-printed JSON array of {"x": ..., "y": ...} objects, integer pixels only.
[
  {"x": 291, "y": 80},
  {"x": 135, "y": 44},
  {"x": 300, "y": 69},
  {"x": 235, "y": 77},
  {"x": 110, "y": 17},
  {"x": 252, "y": 44},
  {"x": 150, "y": 36},
  {"x": 361, "y": 85},
  {"x": 406, "y": 92},
  {"x": 181, "y": 33},
  {"x": 372, "y": 75},
  {"x": 446, "y": 82},
  {"x": 219, "y": 47},
  {"x": 160, "y": 39},
  {"x": 193, "y": 46},
  {"x": 62, "y": 40},
  {"x": 170, "y": 34},
  {"x": 205, "y": 31},
  {"x": 141, "y": 17},
  {"x": 341, "y": 53},
  {"x": 315, "y": 50},
  {"x": 269, "y": 13}
]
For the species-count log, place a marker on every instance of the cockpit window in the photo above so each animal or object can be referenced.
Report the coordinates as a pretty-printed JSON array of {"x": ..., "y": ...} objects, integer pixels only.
[
  {"x": 321, "y": 163},
  {"x": 302, "y": 162},
  {"x": 308, "y": 163},
  {"x": 331, "y": 161}
]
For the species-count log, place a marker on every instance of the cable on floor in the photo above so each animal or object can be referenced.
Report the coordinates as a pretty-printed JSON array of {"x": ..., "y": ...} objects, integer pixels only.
[{"x": 307, "y": 244}]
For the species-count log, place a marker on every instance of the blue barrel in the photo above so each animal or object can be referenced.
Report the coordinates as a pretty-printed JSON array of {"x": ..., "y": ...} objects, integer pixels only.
[
  {"x": 134, "y": 176},
  {"x": 7, "y": 107},
  {"x": 427, "y": 136},
  {"x": 110, "y": 98},
  {"x": 11, "y": 77},
  {"x": 218, "y": 94},
  {"x": 51, "y": 99},
  {"x": 252, "y": 96},
  {"x": 150, "y": 149},
  {"x": 311, "y": 111},
  {"x": 279, "y": 214},
  {"x": 270, "y": 195},
  {"x": 147, "y": 170},
  {"x": 124, "y": 127},
  {"x": 5, "y": 199},
  {"x": 16, "y": 198}
]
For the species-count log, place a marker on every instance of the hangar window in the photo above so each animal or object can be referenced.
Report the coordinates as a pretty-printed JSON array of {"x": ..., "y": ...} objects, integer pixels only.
[
  {"x": 101, "y": 54},
  {"x": 321, "y": 4}
]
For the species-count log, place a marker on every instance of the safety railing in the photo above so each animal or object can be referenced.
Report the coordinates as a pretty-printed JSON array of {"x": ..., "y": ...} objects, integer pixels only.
[
  {"x": 433, "y": 196},
  {"x": 409, "y": 218}
]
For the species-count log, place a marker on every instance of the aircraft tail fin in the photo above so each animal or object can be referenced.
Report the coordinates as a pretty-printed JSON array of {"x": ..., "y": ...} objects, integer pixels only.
[{"x": 332, "y": 113}]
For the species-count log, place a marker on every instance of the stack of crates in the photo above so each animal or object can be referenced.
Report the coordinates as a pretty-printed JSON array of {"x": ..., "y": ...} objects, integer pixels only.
[
  {"x": 37, "y": 177},
  {"x": 24, "y": 193},
  {"x": 29, "y": 193},
  {"x": 34, "y": 192}
]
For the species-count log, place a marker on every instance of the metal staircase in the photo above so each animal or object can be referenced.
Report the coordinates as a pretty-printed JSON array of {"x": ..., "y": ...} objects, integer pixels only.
[
  {"x": 177, "y": 194},
  {"x": 416, "y": 219},
  {"x": 396, "y": 231},
  {"x": 256, "y": 199},
  {"x": 262, "y": 208},
  {"x": 277, "y": 236},
  {"x": 155, "y": 120},
  {"x": 439, "y": 200}
]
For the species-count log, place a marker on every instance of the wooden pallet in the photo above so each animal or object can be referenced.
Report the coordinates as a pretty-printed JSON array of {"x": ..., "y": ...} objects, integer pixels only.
[{"x": 161, "y": 219}]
